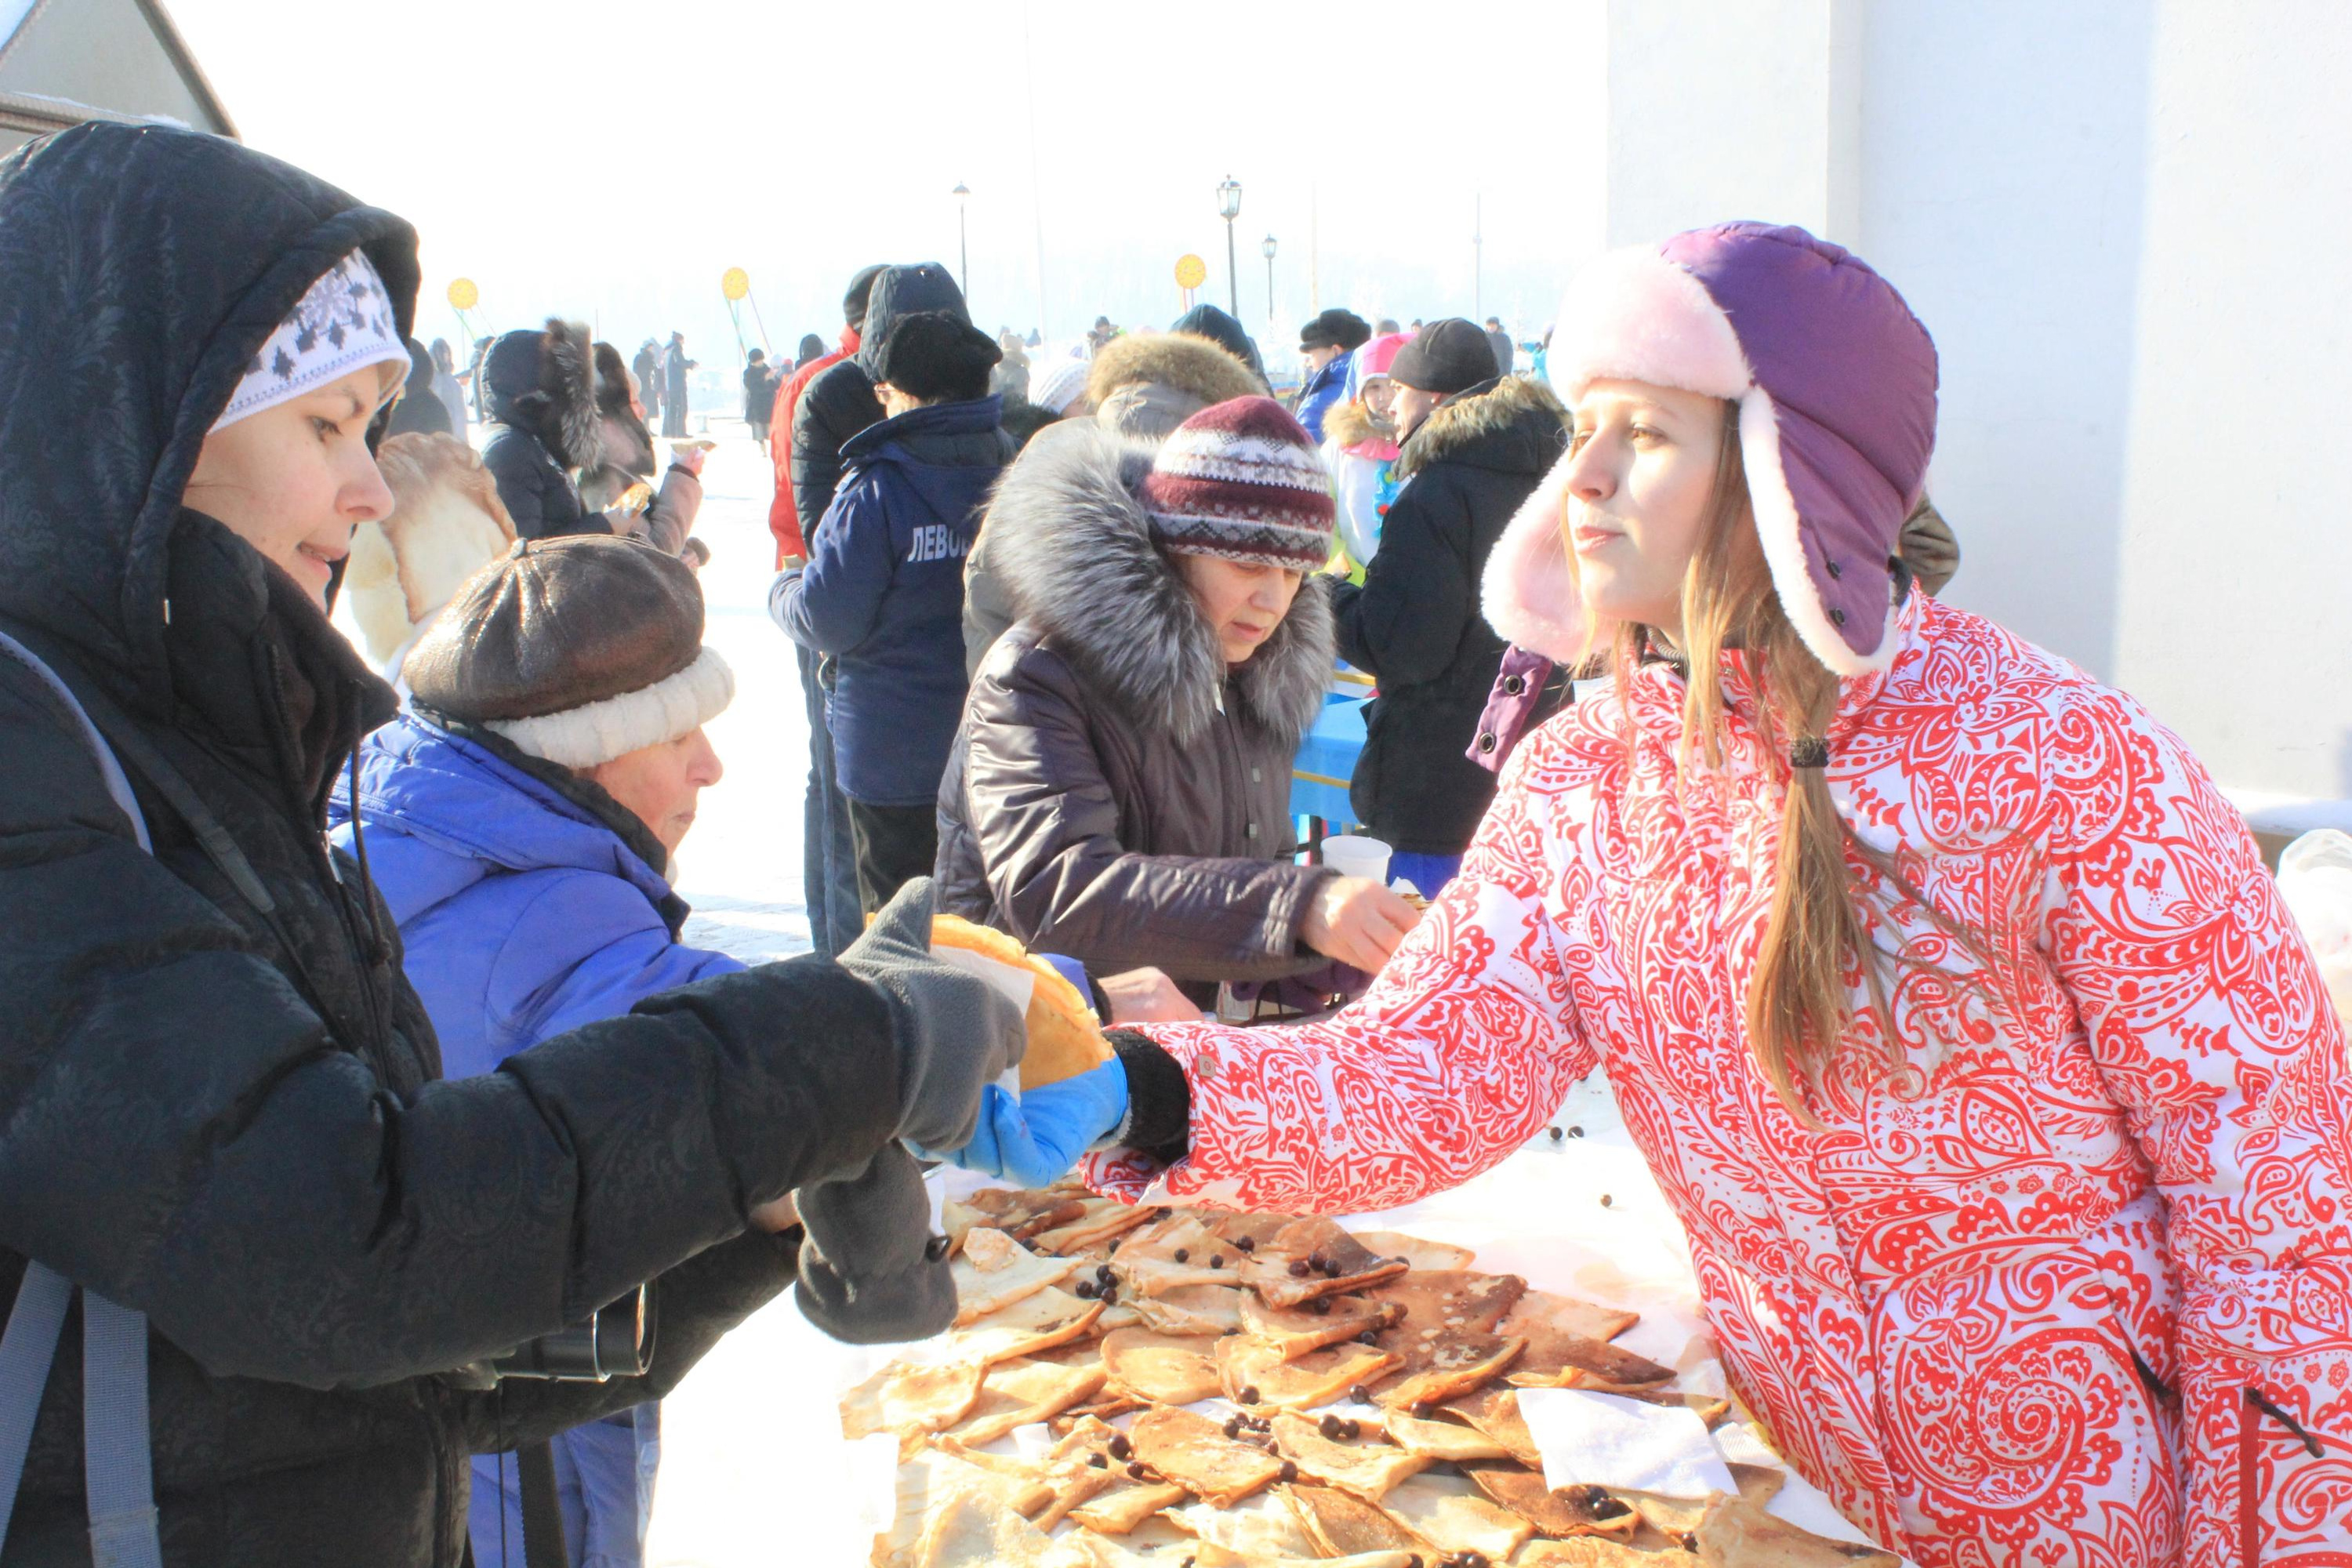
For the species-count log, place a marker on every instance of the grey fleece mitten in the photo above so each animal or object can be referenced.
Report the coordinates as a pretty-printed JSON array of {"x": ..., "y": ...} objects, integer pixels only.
[
  {"x": 871, "y": 1272},
  {"x": 956, "y": 1033}
]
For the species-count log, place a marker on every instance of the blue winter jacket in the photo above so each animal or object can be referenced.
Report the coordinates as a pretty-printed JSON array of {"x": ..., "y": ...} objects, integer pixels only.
[
  {"x": 521, "y": 913},
  {"x": 1324, "y": 388},
  {"x": 882, "y": 594}
]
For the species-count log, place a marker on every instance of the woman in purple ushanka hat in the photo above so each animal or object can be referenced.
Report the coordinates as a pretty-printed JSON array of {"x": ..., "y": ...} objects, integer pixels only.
[{"x": 2001, "y": 1104}]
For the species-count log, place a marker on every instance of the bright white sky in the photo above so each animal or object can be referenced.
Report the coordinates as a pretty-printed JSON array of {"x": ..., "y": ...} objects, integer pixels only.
[{"x": 609, "y": 160}]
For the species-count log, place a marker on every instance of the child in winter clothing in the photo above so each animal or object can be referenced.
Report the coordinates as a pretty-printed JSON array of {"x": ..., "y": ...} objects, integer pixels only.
[
  {"x": 882, "y": 594},
  {"x": 2003, "y": 1108},
  {"x": 1360, "y": 449}
]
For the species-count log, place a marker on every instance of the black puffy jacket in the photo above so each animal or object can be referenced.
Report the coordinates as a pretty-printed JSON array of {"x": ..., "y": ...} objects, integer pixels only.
[
  {"x": 224, "y": 1110},
  {"x": 1415, "y": 622}
]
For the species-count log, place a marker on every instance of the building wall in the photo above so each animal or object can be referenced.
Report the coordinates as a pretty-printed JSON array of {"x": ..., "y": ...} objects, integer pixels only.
[
  {"x": 2123, "y": 221},
  {"x": 101, "y": 53}
]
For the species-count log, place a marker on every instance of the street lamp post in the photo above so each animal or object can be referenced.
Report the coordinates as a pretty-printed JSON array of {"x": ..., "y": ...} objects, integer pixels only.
[
  {"x": 1229, "y": 208},
  {"x": 1269, "y": 279},
  {"x": 963, "y": 243}
]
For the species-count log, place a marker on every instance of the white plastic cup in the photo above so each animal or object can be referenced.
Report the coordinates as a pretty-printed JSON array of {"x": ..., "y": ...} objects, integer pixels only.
[{"x": 1352, "y": 855}]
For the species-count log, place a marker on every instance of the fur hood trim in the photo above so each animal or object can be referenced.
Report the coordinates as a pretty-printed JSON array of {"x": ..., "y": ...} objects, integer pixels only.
[
  {"x": 1074, "y": 549},
  {"x": 1458, "y": 425},
  {"x": 1349, "y": 424},
  {"x": 1192, "y": 365},
  {"x": 567, "y": 375}
]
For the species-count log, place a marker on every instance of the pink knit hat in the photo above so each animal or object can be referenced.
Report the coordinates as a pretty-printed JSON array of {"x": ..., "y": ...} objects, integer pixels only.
[
  {"x": 1834, "y": 381},
  {"x": 1241, "y": 480}
]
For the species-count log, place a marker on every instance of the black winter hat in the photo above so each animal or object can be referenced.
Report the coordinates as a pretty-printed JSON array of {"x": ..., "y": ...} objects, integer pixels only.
[
  {"x": 861, "y": 289},
  {"x": 1446, "y": 357},
  {"x": 935, "y": 356},
  {"x": 1334, "y": 329},
  {"x": 1209, "y": 321},
  {"x": 903, "y": 291}
]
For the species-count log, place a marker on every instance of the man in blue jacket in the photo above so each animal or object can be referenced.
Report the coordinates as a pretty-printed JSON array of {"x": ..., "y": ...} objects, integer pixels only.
[
  {"x": 883, "y": 590},
  {"x": 1324, "y": 344}
]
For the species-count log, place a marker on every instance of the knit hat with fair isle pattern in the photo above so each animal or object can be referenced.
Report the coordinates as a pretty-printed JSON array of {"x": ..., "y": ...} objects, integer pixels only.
[{"x": 1242, "y": 481}]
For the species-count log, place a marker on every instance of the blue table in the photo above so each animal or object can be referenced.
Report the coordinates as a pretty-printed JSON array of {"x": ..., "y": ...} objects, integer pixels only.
[{"x": 1327, "y": 761}]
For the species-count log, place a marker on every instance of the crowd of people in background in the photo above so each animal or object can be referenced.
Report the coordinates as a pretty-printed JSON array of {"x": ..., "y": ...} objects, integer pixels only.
[{"x": 352, "y": 1037}]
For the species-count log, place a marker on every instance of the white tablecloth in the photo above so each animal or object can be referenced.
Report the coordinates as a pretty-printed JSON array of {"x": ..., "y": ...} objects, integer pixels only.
[{"x": 755, "y": 1471}]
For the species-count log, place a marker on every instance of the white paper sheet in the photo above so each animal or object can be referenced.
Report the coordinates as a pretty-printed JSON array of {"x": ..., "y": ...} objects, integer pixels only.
[{"x": 1599, "y": 1439}]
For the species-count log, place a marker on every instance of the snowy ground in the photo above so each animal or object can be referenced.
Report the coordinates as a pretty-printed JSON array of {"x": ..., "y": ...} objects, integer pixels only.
[{"x": 754, "y": 1469}]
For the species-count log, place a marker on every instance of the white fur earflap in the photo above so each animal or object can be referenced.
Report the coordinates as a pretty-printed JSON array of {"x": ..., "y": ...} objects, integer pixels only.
[
  {"x": 1777, "y": 527},
  {"x": 1632, "y": 315},
  {"x": 1527, "y": 590},
  {"x": 598, "y": 732}
]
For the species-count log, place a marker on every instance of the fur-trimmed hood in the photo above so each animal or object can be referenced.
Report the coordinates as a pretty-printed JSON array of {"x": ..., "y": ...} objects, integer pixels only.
[
  {"x": 1073, "y": 546},
  {"x": 544, "y": 382},
  {"x": 1350, "y": 423},
  {"x": 1194, "y": 366},
  {"x": 1509, "y": 423}
]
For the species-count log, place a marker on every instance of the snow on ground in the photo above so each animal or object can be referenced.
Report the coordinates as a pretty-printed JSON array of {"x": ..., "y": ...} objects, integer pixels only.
[{"x": 741, "y": 867}]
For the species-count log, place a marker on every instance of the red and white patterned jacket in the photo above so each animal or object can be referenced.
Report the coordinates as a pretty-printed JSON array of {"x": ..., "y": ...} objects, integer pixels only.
[{"x": 2009, "y": 1306}]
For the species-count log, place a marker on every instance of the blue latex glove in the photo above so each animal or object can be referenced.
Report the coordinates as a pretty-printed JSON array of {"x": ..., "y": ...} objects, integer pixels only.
[{"x": 1035, "y": 1139}]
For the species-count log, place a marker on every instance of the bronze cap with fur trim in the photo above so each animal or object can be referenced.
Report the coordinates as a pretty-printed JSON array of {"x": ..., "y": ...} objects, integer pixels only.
[{"x": 576, "y": 648}]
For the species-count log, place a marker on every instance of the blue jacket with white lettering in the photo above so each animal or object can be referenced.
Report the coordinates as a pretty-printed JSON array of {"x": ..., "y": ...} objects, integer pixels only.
[{"x": 882, "y": 594}]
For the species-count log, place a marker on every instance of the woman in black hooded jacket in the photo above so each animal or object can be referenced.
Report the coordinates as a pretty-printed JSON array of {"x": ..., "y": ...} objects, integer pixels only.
[{"x": 220, "y": 1102}]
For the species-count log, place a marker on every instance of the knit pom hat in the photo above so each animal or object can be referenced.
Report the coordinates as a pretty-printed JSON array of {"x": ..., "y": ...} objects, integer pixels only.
[
  {"x": 1241, "y": 481},
  {"x": 1834, "y": 380},
  {"x": 577, "y": 648}
]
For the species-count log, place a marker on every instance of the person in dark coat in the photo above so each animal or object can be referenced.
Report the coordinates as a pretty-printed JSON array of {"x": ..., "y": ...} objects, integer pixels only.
[
  {"x": 1473, "y": 447},
  {"x": 446, "y": 388},
  {"x": 828, "y": 855},
  {"x": 882, "y": 594},
  {"x": 674, "y": 367},
  {"x": 221, "y": 1101},
  {"x": 1507, "y": 353},
  {"x": 1121, "y": 785},
  {"x": 758, "y": 395},
  {"x": 647, "y": 367},
  {"x": 420, "y": 411},
  {"x": 840, "y": 400},
  {"x": 546, "y": 422},
  {"x": 1324, "y": 344},
  {"x": 810, "y": 349}
]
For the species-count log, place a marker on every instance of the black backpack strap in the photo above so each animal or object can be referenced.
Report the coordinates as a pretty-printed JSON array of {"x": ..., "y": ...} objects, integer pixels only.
[
  {"x": 101, "y": 720},
  {"x": 542, "y": 1509}
]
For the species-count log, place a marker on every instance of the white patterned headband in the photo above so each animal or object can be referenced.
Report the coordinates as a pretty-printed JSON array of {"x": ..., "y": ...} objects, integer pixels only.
[{"x": 343, "y": 323}]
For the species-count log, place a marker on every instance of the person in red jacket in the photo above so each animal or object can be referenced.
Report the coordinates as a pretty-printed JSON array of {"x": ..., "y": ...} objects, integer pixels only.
[
  {"x": 783, "y": 517},
  {"x": 2000, "y": 1098}
]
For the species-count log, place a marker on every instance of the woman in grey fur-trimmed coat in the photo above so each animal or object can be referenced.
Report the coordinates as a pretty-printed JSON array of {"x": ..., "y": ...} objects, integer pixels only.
[{"x": 1116, "y": 793}]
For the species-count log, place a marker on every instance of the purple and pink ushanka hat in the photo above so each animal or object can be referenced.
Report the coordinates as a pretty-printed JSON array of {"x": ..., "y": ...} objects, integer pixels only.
[{"x": 1835, "y": 382}]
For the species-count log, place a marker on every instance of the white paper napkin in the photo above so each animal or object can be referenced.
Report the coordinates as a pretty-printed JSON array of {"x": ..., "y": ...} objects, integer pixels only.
[{"x": 1599, "y": 1439}]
